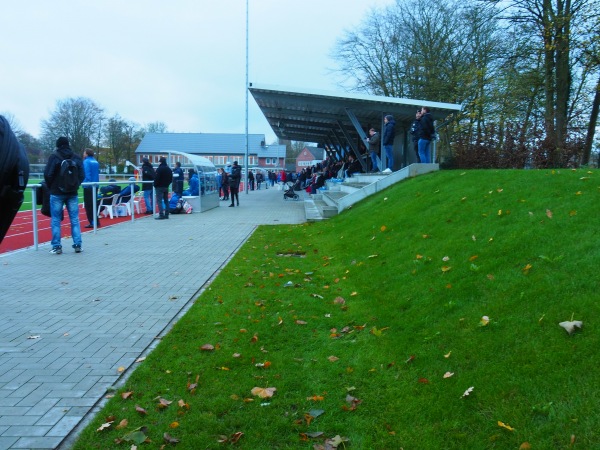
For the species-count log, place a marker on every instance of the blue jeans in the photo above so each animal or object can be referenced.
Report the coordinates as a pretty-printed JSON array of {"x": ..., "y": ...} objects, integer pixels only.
[
  {"x": 56, "y": 205},
  {"x": 389, "y": 156},
  {"x": 375, "y": 161},
  {"x": 424, "y": 151},
  {"x": 148, "y": 200}
]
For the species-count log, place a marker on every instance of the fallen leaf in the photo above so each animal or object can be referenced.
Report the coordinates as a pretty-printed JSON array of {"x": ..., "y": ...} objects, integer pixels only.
[
  {"x": 300, "y": 322},
  {"x": 484, "y": 321},
  {"x": 122, "y": 424},
  {"x": 571, "y": 326},
  {"x": 163, "y": 403},
  {"x": 525, "y": 446},
  {"x": 104, "y": 426},
  {"x": 126, "y": 395},
  {"x": 236, "y": 355},
  {"x": 423, "y": 380},
  {"x": 316, "y": 398},
  {"x": 333, "y": 358},
  {"x": 448, "y": 374},
  {"x": 468, "y": 391},
  {"x": 446, "y": 268},
  {"x": 170, "y": 439},
  {"x": 263, "y": 392},
  {"x": 549, "y": 214},
  {"x": 33, "y": 337},
  {"x": 140, "y": 359},
  {"x": 120, "y": 369},
  {"x": 207, "y": 348},
  {"x": 140, "y": 410},
  {"x": 447, "y": 355},
  {"x": 174, "y": 425},
  {"x": 505, "y": 426}
]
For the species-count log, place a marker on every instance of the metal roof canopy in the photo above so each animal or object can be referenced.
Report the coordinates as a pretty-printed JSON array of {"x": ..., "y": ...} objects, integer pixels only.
[{"x": 333, "y": 119}]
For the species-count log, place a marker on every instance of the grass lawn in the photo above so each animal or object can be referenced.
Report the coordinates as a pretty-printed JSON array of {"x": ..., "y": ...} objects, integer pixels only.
[{"x": 425, "y": 317}]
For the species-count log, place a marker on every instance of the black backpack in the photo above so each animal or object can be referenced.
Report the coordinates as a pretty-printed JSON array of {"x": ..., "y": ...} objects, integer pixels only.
[{"x": 68, "y": 176}]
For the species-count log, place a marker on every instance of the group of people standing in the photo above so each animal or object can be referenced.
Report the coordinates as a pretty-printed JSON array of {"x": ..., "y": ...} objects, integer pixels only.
[
  {"x": 375, "y": 141},
  {"x": 423, "y": 132}
]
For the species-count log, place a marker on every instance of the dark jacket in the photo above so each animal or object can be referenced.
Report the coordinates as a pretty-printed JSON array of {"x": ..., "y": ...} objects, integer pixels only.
[
  {"x": 235, "y": 177},
  {"x": 148, "y": 174},
  {"x": 427, "y": 128},
  {"x": 389, "y": 132},
  {"x": 415, "y": 130},
  {"x": 53, "y": 168},
  {"x": 164, "y": 176},
  {"x": 375, "y": 143}
]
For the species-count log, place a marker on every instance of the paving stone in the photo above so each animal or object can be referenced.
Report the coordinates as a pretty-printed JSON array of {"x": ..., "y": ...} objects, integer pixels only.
[{"x": 94, "y": 320}]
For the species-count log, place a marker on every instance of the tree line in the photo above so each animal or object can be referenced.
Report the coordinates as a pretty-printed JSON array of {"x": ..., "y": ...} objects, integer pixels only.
[
  {"x": 527, "y": 73},
  {"x": 85, "y": 124}
]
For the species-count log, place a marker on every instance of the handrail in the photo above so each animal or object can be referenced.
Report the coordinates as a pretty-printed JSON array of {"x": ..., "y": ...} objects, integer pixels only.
[{"x": 35, "y": 187}]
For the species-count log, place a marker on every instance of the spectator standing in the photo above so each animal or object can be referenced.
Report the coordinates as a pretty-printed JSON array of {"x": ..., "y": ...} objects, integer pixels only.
[
  {"x": 225, "y": 184},
  {"x": 427, "y": 132},
  {"x": 178, "y": 179},
  {"x": 61, "y": 196},
  {"x": 91, "y": 169},
  {"x": 251, "y": 180},
  {"x": 148, "y": 174},
  {"x": 389, "y": 132},
  {"x": 234, "y": 183},
  {"x": 259, "y": 179},
  {"x": 162, "y": 180},
  {"x": 374, "y": 141},
  {"x": 415, "y": 131}
]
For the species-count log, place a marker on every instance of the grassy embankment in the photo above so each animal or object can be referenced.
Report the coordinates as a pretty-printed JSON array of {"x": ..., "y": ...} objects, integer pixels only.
[{"x": 370, "y": 327}]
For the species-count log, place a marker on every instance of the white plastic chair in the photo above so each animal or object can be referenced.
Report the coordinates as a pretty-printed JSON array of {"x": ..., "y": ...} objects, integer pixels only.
[{"x": 108, "y": 204}]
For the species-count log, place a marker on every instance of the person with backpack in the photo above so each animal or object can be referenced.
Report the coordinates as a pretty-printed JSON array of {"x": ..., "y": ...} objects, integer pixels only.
[
  {"x": 234, "y": 184},
  {"x": 64, "y": 174}
]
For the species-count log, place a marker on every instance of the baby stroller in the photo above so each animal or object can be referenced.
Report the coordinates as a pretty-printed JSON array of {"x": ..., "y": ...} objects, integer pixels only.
[{"x": 289, "y": 190}]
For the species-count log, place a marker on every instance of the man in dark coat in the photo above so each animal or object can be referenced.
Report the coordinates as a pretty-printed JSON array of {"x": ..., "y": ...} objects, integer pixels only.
[
  {"x": 374, "y": 141},
  {"x": 162, "y": 180},
  {"x": 178, "y": 179},
  {"x": 389, "y": 133},
  {"x": 148, "y": 174},
  {"x": 427, "y": 132},
  {"x": 14, "y": 173},
  {"x": 234, "y": 183},
  {"x": 60, "y": 198},
  {"x": 415, "y": 131}
]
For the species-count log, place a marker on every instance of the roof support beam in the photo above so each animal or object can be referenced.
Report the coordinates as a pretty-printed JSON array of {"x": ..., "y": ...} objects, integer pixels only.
[{"x": 352, "y": 146}]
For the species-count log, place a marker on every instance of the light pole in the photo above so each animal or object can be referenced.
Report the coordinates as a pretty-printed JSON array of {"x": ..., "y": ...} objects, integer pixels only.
[{"x": 246, "y": 89}]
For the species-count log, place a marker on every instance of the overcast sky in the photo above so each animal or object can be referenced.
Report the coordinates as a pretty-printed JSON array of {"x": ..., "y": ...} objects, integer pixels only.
[{"x": 181, "y": 62}]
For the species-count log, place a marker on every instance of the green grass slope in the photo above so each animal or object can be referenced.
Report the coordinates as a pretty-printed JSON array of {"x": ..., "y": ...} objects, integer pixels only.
[{"x": 370, "y": 327}]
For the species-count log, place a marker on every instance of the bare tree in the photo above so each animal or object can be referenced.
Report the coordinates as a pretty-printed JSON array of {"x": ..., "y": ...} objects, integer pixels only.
[{"x": 78, "y": 119}]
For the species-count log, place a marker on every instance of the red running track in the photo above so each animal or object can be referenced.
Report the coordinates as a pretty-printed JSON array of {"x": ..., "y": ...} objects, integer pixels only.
[{"x": 20, "y": 233}]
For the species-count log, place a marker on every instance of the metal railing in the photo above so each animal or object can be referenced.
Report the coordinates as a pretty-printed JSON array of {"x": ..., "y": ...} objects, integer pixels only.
[{"x": 94, "y": 185}]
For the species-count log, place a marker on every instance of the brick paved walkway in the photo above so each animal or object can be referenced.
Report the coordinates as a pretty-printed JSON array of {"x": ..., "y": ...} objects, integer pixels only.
[{"x": 68, "y": 322}]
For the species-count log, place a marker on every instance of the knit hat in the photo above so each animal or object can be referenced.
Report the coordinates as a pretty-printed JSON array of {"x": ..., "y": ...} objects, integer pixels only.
[
  {"x": 62, "y": 142},
  {"x": 235, "y": 163}
]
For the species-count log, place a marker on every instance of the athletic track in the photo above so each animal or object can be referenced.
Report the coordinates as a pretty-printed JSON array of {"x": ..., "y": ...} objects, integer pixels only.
[{"x": 20, "y": 233}]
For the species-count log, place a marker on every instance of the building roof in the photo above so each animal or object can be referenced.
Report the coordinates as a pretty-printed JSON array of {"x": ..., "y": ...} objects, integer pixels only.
[{"x": 328, "y": 117}]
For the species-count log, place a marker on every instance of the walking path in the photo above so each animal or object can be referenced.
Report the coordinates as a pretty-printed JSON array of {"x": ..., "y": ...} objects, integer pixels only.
[{"x": 70, "y": 322}]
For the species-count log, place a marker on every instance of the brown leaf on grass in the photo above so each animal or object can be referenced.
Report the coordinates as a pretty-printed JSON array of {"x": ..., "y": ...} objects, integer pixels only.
[
  {"x": 174, "y": 425},
  {"x": 423, "y": 380},
  {"x": 126, "y": 395},
  {"x": 549, "y": 214},
  {"x": 192, "y": 386},
  {"x": 525, "y": 446},
  {"x": 301, "y": 322},
  {"x": 339, "y": 301},
  {"x": 316, "y": 398},
  {"x": 170, "y": 439},
  {"x": 207, "y": 348},
  {"x": 254, "y": 338},
  {"x": 353, "y": 402},
  {"x": 122, "y": 424},
  {"x": 183, "y": 404},
  {"x": 140, "y": 410},
  {"x": 333, "y": 358},
  {"x": 163, "y": 403},
  {"x": 263, "y": 392}
]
